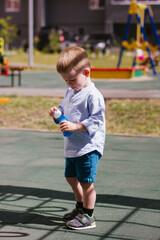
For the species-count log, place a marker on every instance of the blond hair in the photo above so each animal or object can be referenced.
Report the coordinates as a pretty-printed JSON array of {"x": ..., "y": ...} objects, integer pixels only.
[{"x": 72, "y": 57}]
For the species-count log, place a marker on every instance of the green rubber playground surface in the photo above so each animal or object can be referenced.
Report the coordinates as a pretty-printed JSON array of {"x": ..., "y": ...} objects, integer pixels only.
[
  {"x": 34, "y": 194},
  {"x": 53, "y": 80}
]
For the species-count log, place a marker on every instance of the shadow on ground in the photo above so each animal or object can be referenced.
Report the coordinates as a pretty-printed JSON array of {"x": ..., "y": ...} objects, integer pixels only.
[{"x": 36, "y": 214}]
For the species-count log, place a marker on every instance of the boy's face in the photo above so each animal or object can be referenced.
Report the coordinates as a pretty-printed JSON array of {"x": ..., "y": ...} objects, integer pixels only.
[{"x": 77, "y": 80}]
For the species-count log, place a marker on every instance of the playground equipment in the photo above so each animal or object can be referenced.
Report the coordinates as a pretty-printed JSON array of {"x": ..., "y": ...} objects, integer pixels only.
[
  {"x": 3, "y": 59},
  {"x": 117, "y": 73},
  {"x": 141, "y": 11},
  {"x": 5, "y": 69},
  {"x": 141, "y": 44},
  {"x": 4, "y": 62},
  {"x": 1, "y": 46}
]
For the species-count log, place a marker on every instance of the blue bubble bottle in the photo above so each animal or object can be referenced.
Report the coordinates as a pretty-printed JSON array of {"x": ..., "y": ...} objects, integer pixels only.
[
  {"x": 57, "y": 115},
  {"x": 63, "y": 118}
]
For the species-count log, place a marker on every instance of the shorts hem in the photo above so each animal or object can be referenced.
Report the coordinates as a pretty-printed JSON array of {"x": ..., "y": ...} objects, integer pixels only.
[{"x": 86, "y": 180}]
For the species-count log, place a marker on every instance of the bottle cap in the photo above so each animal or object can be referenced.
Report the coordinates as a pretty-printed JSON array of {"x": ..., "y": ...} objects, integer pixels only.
[{"x": 57, "y": 114}]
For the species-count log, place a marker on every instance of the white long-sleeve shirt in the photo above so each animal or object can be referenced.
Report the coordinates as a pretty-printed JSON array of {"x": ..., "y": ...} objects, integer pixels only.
[{"x": 85, "y": 106}]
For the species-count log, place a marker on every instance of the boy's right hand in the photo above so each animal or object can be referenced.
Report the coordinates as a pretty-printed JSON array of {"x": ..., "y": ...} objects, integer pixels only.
[{"x": 52, "y": 110}]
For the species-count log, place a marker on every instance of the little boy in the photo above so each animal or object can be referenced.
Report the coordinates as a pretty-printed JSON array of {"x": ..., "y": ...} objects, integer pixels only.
[{"x": 84, "y": 107}]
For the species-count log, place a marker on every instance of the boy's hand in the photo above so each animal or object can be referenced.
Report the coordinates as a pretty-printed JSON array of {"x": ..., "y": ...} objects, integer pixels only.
[
  {"x": 67, "y": 126},
  {"x": 52, "y": 110}
]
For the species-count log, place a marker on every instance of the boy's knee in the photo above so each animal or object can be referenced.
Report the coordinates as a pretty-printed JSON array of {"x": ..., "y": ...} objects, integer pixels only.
[
  {"x": 72, "y": 180},
  {"x": 87, "y": 185}
]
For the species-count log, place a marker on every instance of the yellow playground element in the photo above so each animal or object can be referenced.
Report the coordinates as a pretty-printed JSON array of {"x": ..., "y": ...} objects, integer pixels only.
[
  {"x": 135, "y": 8},
  {"x": 139, "y": 43},
  {"x": 4, "y": 100},
  {"x": 118, "y": 73},
  {"x": 1, "y": 46},
  {"x": 141, "y": 11},
  {"x": 142, "y": 46}
]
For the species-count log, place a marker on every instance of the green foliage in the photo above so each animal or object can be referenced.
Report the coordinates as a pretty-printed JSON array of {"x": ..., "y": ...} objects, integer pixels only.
[
  {"x": 54, "y": 44},
  {"x": 8, "y": 31}
]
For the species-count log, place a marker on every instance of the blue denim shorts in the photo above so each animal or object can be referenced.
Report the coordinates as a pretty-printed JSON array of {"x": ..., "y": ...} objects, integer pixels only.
[{"x": 84, "y": 167}]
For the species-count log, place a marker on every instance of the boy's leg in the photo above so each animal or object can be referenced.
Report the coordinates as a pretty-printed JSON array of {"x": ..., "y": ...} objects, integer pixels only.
[
  {"x": 78, "y": 193},
  {"x": 89, "y": 195},
  {"x": 85, "y": 219},
  {"x": 86, "y": 172},
  {"x": 71, "y": 177},
  {"x": 76, "y": 187},
  {"x": 83, "y": 192}
]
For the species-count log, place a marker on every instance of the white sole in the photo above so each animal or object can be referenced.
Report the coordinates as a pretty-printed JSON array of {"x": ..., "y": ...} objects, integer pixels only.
[{"x": 82, "y": 228}]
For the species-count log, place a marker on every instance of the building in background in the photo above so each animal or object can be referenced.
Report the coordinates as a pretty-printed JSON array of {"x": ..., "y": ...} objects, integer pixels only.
[{"x": 77, "y": 16}]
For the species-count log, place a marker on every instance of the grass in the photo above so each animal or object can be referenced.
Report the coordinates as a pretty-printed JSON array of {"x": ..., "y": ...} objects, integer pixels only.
[
  {"x": 39, "y": 58},
  {"x": 27, "y": 112},
  {"x": 136, "y": 117},
  {"x": 105, "y": 61}
]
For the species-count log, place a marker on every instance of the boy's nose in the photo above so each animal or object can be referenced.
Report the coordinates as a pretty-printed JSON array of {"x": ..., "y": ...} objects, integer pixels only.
[{"x": 70, "y": 83}]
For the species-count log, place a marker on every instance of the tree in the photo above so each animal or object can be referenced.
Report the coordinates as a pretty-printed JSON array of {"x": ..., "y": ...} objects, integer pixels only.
[
  {"x": 8, "y": 31},
  {"x": 54, "y": 44}
]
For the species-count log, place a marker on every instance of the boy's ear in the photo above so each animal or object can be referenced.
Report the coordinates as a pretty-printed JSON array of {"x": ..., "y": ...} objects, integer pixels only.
[{"x": 86, "y": 72}]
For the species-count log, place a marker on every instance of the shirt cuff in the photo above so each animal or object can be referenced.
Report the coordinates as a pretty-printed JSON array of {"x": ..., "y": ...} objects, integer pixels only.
[{"x": 91, "y": 127}]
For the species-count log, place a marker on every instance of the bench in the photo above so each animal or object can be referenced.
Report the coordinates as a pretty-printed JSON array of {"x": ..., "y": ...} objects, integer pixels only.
[{"x": 15, "y": 71}]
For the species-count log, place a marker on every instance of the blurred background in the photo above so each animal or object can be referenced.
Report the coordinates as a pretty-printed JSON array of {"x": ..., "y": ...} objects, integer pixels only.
[
  {"x": 38, "y": 30},
  {"x": 96, "y": 25}
]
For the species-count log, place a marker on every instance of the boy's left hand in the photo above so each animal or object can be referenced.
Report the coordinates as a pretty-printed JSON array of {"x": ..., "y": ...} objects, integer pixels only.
[{"x": 67, "y": 126}]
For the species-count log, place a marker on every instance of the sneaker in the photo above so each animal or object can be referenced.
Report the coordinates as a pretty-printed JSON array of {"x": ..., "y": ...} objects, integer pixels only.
[
  {"x": 71, "y": 215},
  {"x": 82, "y": 221}
]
